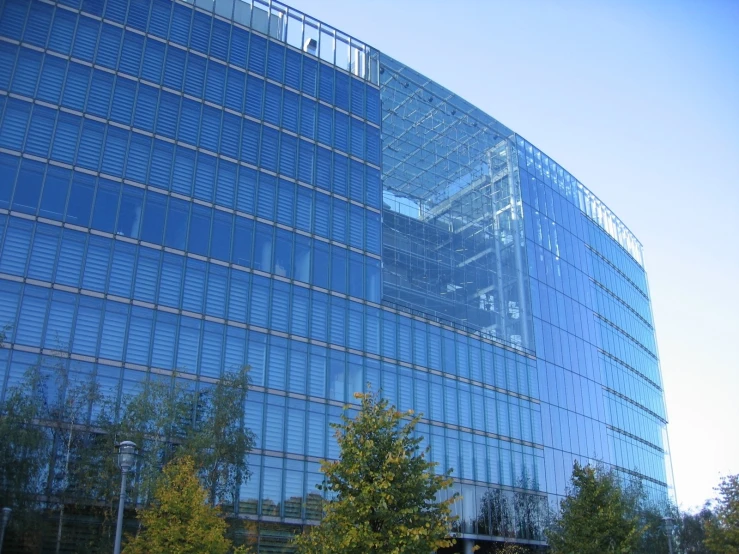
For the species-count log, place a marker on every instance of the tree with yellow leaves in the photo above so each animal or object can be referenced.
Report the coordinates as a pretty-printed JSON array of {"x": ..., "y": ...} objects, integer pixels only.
[
  {"x": 180, "y": 521},
  {"x": 385, "y": 494}
]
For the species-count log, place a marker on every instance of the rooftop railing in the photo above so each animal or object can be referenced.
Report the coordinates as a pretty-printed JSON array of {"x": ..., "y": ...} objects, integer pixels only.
[{"x": 300, "y": 31}]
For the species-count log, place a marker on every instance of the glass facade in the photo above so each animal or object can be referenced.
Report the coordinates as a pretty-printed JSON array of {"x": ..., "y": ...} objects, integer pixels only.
[{"x": 195, "y": 187}]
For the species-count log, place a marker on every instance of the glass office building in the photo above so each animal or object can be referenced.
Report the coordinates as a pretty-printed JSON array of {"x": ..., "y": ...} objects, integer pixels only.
[{"x": 198, "y": 186}]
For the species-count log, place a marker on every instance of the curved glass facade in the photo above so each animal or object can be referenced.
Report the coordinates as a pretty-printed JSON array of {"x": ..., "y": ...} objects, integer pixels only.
[{"x": 197, "y": 187}]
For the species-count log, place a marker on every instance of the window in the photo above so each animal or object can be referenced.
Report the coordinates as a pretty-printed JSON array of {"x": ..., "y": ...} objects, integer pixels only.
[
  {"x": 199, "y": 232},
  {"x": 176, "y": 230},
  {"x": 43, "y": 252},
  {"x": 263, "y": 247},
  {"x": 28, "y": 187},
  {"x": 220, "y": 242},
  {"x": 338, "y": 269},
  {"x": 129, "y": 218},
  {"x": 194, "y": 285},
  {"x": 341, "y": 175},
  {"x": 283, "y": 253},
  {"x": 320, "y": 264},
  {"x": 41, "y": 131},
  {"x": 303, "y": 248},
  {"x": 95, "y": 272},
  {"x": 80, "y": 199},
  {"x": 242, "y": 244},
  {"x": 154, "y": 216}
]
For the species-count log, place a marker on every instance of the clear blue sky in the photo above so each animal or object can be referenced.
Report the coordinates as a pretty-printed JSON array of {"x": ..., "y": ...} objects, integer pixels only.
[{"x": 640, "y": 101}]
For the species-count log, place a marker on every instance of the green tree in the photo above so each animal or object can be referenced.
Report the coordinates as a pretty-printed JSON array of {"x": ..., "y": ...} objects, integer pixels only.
[
  {"x": 180, "y": 520},
  {"x": 691, "y": 531},
  {"x": 24, "y": 451},
  {"x": 598, "y": 516},
  {"x": 75, "y": 393},
  {"x": 171, "y": 417},
  {"x": 653, "y": 539},
  {"x": 385, "y": 493},
  {"x": 58, "y": 433},
  {"x": 218, "y": 441},
  {"x": 722, "y": 531}
]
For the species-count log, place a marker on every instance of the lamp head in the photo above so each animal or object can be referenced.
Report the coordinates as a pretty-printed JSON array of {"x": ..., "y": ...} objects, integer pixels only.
[{"x": 127, "y": 452}]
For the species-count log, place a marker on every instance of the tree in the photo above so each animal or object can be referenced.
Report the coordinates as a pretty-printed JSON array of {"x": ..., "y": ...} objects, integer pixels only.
[
  {"x": 722, "y": 531},
  {"x": 24, "y": 448},
  {"x": 691, "y": 531},
  {"x": 653, "y": 539},
  {"x": 596, "y": 517},
  {"x": 386, "y": 494},
  {"x": 219, "y": 441},
  {"x": 496, "y": 514},
  {"x": 180, "y": 520},
  {"x": 170, "y": 417},
  {"x": 58, "y": 432},
  {"x": 70, "y": 408}
]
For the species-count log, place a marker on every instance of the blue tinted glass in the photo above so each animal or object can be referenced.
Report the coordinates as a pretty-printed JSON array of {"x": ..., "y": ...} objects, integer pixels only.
[
  {"x": 220, "y": 37},
  {"x": 320, "y": 264},
  {"x": 131, "y": 53},
  {"x": 195, "y": 75},
  {"x": 161, "y": 12},
  {"x": 199, "y": 231},
  {"x": 310, "y": 76},
  {"x": 283, "y": 253},
  {"x": 174, "y": 67},
  {"x": 242, "y": 242},
  {"x": 338, "y": 269},
  {"x": 220, "y": 240},
  {"x": 37, "y": 27},
  {"x": 246, "y": 192},
  {"x": 155, "y": 210},
  {"x": 257, "y": 54},
  {"x": 129, "y": 216},
  {"x": 301, "y": 264},
  {"x": 8, "y": 169},
  {"x": 200, "y": 36},
  {"x": 356, "y": 181},
  {"x": 322, "y": 217},
  {"x": 272, "y": 104},
  {"x": 106, "y": 205},
  {"x": 176, "y": 231},
  {"x": 306, "y": 160},
  {"x": 80, "y": 200},
  {"x": 263, "y": 247},
  {"x": 235, "y": 84},
  {"x": 341, "y": 175},
  {"x": 27, "y": 71},
  {"x": 292, "y": 69},
  {"x": 342, "y": 90},
  {"x": 326, "y": 83},
  {"x": 356, "y": 275},
  {"x": 101, "y": 89},
  {"x": 56, "y": 188},
  {"x": 239, "y": 46},
  {"x": 8, "y": 55},
  {"x": 323, "y": 168},
  {"x": 62, "y": 31},
  {"x": 325, "y": 124},
  {"x": 28, "y": 187},
  {"x": 267, "y": 194},
  {"x": 275, "y": 61}
]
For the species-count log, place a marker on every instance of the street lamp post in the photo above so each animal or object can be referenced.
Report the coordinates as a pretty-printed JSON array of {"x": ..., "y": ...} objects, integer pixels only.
[
  {"x": 3, "y": 525},
  {"x": 668, "y": 531},
  {"x": 126, "y": 459}
]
